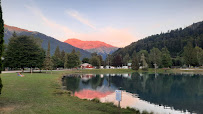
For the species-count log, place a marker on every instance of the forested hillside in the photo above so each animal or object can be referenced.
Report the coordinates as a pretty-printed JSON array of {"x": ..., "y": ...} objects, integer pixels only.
[
  {"x": 8, "y": 31},
  {"x": 173, "y": 40}
]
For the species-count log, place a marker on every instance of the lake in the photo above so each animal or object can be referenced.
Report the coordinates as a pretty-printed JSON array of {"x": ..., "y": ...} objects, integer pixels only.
[{"x": 159, "y": 93}]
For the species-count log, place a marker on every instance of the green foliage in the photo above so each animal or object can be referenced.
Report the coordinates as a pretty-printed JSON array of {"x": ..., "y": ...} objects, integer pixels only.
[
  {"x": 155, "y": 57},
  {"x": 1, "y": 36},
  {"x": 63, "y": 56},
  {"x": 85, "y": 60},
  {"x": 126, "y": 59},
  {"x": 72, "y": 60},
  {"x": 117, "y": 61},
  {"x": 95, "y": 61},
  {"x": 174, "y": 41},
  {"x": 108, "y": 60},
  {"x": 199, "y": 55},
  {"x": 22, "y": 51},
  {"x": 48, "y": 65},
  {"x": 57, "y": 58},
  {"x": 143, "y": 61},
  {"x": 188, "y": 54},
  {"x": 166, "y": 58},
  {"x": 135, "y": 64}
]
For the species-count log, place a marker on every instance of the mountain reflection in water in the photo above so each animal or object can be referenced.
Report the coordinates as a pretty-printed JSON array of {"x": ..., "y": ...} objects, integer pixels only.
[{"x": 168, "y": 93}]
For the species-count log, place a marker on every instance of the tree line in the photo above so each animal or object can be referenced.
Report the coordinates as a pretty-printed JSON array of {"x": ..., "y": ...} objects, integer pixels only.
[
  {"x": 174, "y": 41},
  {"x": 190, "y": 56},
  {"x": 26, "y": 52}
]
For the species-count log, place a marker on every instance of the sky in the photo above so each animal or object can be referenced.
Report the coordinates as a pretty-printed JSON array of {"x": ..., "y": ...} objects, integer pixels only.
[{"x": 116, "y": 22}]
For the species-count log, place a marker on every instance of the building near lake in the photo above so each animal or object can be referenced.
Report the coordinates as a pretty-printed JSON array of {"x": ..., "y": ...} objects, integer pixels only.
[{"x": 86, "y": 66}]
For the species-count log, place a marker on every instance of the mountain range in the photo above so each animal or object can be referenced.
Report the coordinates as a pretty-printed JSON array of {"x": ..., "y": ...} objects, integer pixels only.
[
  {"x": 99, "y": 47},
  {"x": 8, "y": 31},
  {"x": 173, "y": 40}
]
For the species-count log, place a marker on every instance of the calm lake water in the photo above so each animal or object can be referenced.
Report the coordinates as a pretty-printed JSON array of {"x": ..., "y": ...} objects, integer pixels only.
[{"x": 160, "y": 93}]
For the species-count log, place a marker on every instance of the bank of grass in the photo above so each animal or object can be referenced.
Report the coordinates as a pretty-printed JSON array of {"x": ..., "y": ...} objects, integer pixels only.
[
  {"x": 104, "y": 71},
  {"x": 172, "y": 70},
  {"x": 42, "y": 93}
]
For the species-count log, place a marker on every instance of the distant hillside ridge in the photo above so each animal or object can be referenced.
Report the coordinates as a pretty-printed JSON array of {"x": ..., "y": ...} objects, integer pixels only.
[
  {"x": 99, "y": 47},
  {"x": 87, "y": 44},
  {"x": 8, "y": 31},
  {"x": 174, "y": 40}
]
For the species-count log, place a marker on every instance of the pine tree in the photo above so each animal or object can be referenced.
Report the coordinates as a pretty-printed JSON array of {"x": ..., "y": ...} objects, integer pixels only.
[
  {"x": 57, "y": 61},
  {"x": 57, "y": 52},
  {"x": 72, "y": 60},
  {"x": 1, "y": 37},
  {"x": 48, "y": 65},
  {"x": 22, "y": 51},
  {"x": 66, "y": 60},
  {"x": 63, "y": 56}
]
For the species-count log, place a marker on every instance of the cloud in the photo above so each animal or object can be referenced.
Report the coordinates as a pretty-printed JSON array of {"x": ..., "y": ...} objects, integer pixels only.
[
  {"x": 75, "y": 14},
  {"x": 113, "y": 36},
  {"x": 53, "y": 29}
]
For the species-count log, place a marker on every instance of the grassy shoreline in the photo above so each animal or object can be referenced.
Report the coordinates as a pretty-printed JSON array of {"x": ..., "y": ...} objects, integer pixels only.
[{"x": 42, "y": 93}]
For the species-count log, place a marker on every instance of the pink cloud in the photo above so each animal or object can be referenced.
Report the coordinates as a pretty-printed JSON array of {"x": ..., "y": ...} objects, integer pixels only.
[
  {"x": 75, "y": 14},
  {"x": 115, "y": 37},
  {"x": 110, "y": 35},
  {"x": 53, "y": 29}
]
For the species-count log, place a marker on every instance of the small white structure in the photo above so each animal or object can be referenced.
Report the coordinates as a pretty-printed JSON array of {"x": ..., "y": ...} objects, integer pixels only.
[
  {"x": 111, "y": 67},
  {"x": 86, "y": 66},
  {"x": 124, "y": 67},
  {"x": 101, "y": 67},
  {"x": 129, "y": 65}
]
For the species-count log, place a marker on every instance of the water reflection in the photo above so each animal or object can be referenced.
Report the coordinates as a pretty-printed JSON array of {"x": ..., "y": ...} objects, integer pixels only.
[
  {"x": 1, "y": 85},
  {"x": 162, "y": 92}
]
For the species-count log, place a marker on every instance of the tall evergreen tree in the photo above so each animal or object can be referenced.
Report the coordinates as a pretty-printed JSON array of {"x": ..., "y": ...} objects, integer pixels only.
[
  {"x": 23, "y": 52},
  {"x": 56, "y": 58},
  {"x": 66, "y": 60},
  {"x": 1, "y": 36},
  {"x": 48, "y": 65},
  {"x": 72, "y": 60},
  {"x": 63, "y": 56},
  {"x": 57, "y": 52}
]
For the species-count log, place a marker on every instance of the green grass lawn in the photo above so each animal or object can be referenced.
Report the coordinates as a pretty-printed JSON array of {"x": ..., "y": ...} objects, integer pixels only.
[{"x": 42, "y": 93}]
